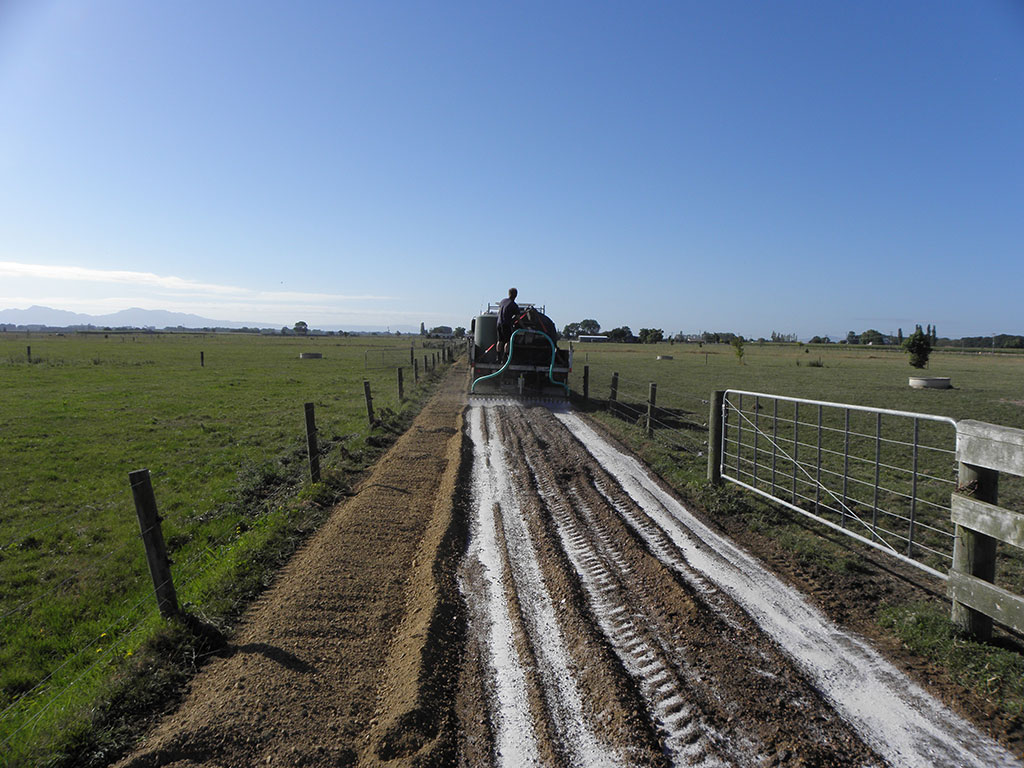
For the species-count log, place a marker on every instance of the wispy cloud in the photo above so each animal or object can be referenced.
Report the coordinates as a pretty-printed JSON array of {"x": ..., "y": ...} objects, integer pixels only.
[
  {"x": 170, "y": 284},
  {"x": 101, "y": 291}
]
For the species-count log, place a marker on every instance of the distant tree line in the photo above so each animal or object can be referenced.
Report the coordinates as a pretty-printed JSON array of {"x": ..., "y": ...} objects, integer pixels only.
[
  {"x": 591, "y": 327},
  {"x": 871, "y": 336},
  {"x": 999, "y": 341}
]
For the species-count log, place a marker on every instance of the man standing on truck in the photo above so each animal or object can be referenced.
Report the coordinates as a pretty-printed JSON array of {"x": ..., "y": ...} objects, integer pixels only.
[{"x": 508, "y": 313}]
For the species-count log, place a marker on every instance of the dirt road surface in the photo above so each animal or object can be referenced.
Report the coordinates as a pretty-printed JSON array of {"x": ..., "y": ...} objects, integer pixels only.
[{"x": 509, "y": 589}]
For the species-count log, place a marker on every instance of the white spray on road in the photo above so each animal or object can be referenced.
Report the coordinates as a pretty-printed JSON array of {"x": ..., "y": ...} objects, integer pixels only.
[
  {"x": 494, "y": 489},
  {"x": 896, "y": 717}
]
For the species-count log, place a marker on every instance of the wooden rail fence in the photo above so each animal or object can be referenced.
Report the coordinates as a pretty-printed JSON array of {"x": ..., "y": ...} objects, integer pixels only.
[{"x": 982, "y": 452}]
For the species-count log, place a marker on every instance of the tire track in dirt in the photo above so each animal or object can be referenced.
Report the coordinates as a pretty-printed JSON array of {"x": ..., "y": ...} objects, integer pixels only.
[
  {"x": 533, "y": 673},
  {"x": 522, "y": 593},
  {"x": 729, "y": 702},
  {"x": 599, "y": 555},
  {"x": 898, "y": 719}
]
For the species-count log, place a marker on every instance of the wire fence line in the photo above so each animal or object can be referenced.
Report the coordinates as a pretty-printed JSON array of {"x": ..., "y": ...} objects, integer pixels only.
[
  {"x": 34, "y": 714},
  {"x": 377, "y": 358},
  {"x": 31, "y": 696},
  {"x": 39, "y": 687},
  {"x": 55, "y": 518},
  {"x": 677, "y": 418},
  {"x": 884, "y": 477}
]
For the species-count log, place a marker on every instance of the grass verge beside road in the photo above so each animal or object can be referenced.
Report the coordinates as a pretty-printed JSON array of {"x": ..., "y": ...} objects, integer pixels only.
[{"x": 225, "y": 443}]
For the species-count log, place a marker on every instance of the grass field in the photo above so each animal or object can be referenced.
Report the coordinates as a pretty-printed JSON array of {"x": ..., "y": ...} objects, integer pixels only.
[
  {"x": 225, "y": 443},
  {"x": 987, "y": 388}
]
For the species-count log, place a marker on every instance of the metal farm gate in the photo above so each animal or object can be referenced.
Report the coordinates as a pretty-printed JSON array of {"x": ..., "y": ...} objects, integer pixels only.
[{"x": 883, "y": 477}]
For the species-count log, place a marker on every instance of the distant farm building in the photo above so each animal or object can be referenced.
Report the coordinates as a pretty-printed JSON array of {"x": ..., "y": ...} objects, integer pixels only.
[{"x": 590, "y": 337}]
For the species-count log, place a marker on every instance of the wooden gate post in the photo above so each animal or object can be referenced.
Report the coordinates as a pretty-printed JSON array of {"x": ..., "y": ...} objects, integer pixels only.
[
  {"x": 369, "y": 401},
  {"x": 311, "y": 445},
  {"x": 153, "y": 539},
  {"x": 652, "y": 395},
  {"x": 974, "y": 553},
  {"x": 715, "y": 438}
]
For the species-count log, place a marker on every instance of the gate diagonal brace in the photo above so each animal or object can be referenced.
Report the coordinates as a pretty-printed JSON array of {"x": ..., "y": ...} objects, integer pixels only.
[{"x": 810, "y": 477}]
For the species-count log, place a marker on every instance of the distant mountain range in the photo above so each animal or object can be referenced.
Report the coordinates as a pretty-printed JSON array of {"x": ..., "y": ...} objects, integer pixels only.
[
  {"x": 152, "y": 318},
  {"x": 134, "y": 318}
]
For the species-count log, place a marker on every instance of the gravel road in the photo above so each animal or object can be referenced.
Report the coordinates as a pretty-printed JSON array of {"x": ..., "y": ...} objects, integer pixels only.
[
  {"x": 585, "y": 575},
  {"x": 508, "y": 588}
]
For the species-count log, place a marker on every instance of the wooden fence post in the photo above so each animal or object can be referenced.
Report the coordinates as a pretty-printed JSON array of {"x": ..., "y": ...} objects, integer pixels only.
[
  {"x": 311, "y": 445},
  {"x": 974, "y": 553},
  {"x": 426, "y": 364},
  {"x": 615, "y": 387},
  {"x": 28, "y": 353},
  {"x": 983, "y": 452},
  {"x": 401, "y": 387},
  {"x": 586, "y": 384},
  {"x": 202, "y": 359},
  {"x": 369, "y": 401},
  {"x": 715, "y": 438},
  {"x": 651, "y": 397},
  {"x": 153, "y": 539},
  {"x": 412, "y": 353},
  {"x": 415, "y": 371}
]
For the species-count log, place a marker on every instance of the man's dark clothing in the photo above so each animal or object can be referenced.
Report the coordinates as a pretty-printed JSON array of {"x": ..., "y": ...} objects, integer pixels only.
[{"x": 508, "y": 313}]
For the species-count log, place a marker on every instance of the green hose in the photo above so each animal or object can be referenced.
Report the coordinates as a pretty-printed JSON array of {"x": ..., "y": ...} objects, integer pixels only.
[{"x": 511, "y": 347}]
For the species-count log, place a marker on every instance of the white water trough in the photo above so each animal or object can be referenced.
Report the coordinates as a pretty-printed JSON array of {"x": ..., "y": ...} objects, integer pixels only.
[{"x": 930, "y": 382}]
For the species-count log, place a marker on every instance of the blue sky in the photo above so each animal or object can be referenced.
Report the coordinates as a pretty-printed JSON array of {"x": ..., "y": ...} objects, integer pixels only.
[{"x": 802, "y": 167}]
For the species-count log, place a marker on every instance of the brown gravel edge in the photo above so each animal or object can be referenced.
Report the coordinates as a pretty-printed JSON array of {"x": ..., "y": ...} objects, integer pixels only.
[
  {"x": 301, "y": 680},
  {"x": 415, "y": 721}
]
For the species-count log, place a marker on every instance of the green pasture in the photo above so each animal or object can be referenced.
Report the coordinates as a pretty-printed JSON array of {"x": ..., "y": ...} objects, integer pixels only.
[
  {"x": 987, "y": 388},
  {"x": 225, "y": 443}
]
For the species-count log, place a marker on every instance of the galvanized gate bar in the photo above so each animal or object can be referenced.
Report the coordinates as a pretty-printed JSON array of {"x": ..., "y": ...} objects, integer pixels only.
[{"x": 907, "y": 512}]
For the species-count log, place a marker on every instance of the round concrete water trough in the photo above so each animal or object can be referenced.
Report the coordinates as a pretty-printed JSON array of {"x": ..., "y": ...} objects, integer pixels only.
[
  {"x": 310, "y": 355},
  {"x": 930, "y": 382}
]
